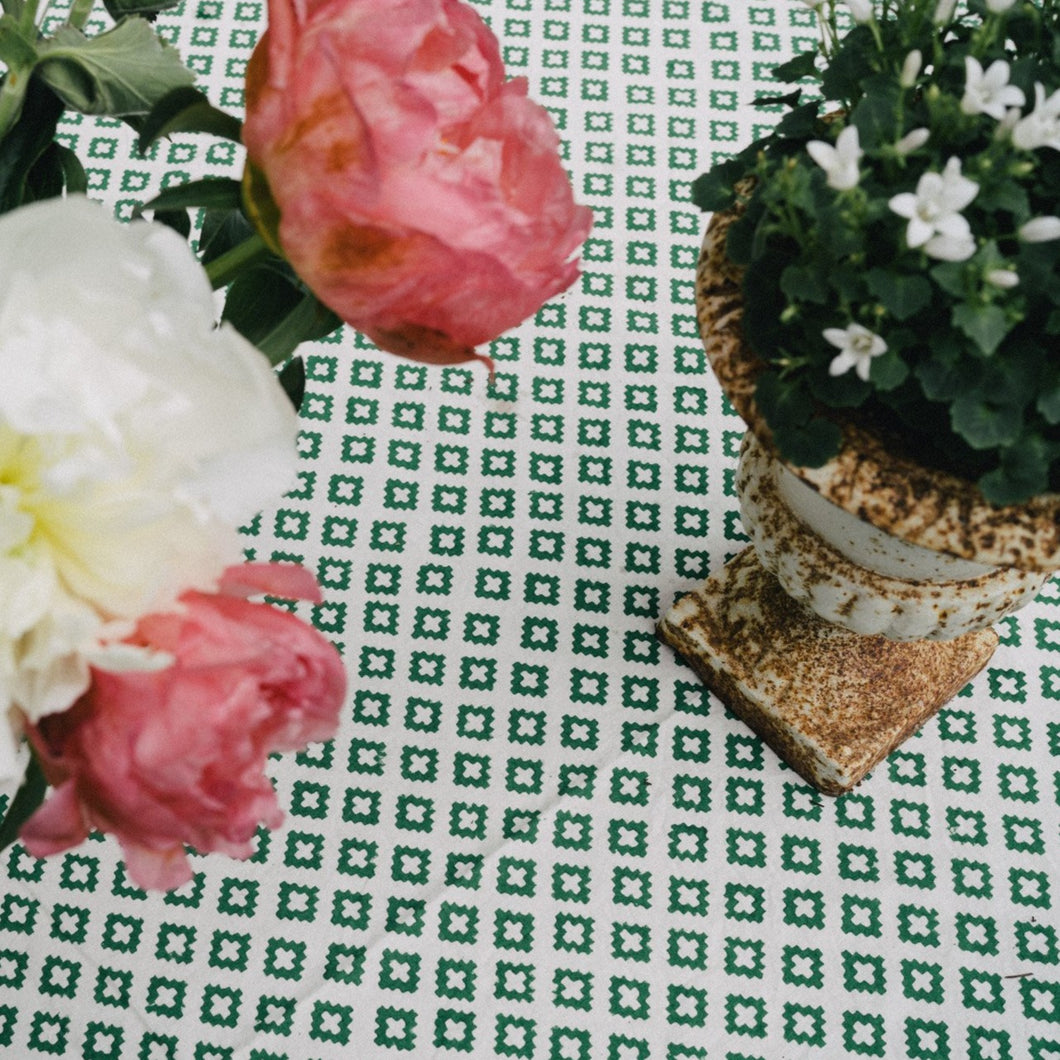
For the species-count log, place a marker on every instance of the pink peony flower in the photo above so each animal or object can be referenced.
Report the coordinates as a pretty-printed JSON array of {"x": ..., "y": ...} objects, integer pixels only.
[
  {"x": 420, "y": 195},
  {"x": 173, "y": 756}
]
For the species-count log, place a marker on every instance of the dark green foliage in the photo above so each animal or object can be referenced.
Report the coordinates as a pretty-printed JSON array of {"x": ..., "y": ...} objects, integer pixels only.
[{"x": 971, "y": 372}]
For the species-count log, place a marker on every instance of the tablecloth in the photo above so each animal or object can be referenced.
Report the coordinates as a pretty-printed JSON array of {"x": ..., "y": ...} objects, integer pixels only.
[{"x": 536, "y": 835}]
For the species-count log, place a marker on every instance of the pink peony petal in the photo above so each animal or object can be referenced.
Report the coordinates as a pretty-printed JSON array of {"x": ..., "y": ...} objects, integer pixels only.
[
  {"x": 57, "y": 825},
  {"x": 156, "y": 870},
  {"x": 288, "y": 581}
]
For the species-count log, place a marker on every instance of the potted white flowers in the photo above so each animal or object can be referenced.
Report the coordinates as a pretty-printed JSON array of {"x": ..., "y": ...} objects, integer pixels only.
[{"x": 880, "y": 297}]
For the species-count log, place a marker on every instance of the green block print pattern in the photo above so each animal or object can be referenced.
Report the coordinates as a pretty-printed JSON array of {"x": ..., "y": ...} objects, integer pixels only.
[{"x": 536, "y": 836}]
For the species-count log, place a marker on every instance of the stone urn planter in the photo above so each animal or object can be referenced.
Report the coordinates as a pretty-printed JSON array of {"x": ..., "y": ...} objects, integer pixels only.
[{"x": 866, "y": 599}]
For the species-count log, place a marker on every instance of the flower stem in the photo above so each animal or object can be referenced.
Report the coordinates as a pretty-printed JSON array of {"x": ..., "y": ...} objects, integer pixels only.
[{"x": 227, "y": 266}]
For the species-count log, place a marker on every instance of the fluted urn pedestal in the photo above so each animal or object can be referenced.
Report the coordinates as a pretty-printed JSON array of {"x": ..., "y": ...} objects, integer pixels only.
[{"x": 866, "y": 598}]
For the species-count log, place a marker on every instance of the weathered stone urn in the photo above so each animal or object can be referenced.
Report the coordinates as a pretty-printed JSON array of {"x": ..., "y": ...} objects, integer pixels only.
[{"x": 867, "y": 597}]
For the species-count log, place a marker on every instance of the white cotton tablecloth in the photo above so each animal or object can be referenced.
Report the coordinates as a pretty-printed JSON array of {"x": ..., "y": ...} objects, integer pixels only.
[{"x": 536, "y": 835}]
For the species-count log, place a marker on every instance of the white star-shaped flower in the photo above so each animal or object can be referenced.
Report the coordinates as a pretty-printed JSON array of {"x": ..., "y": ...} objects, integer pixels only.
[
  {"x": 1040, "y": 128},
  {"x": 989, "y": 92},
  {"x": 857, "y": 347},
  {"x": 839, "y": 161},
  {"x": 934, "y": 213}
]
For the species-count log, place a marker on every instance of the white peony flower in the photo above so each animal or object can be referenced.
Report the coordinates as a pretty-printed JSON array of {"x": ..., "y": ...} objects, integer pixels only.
[
  {"x": 857, "y": 347},
  {"x": 134, "y": 438},
  {"x": 935, "y": 221},
  {"x": 840, "y": 162},
  {"x": 989, "y": 92},
  {"x": 1040, "y": 128}
]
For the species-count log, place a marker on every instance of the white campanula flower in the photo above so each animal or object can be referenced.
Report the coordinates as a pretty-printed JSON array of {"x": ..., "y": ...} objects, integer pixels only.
[
  {"x": 860, "y": 10},
  {"x": 999, "y": 6},
  {"x": 857, "y": 348},
  {"x": 1040, "y": 230},
  {"x": 912, "y": 140},
  {"x": 135, "y": 437},
  {"x": 933, "y": 211},
  {"x": 840, "y": 162},
  {"x": 1040, "y": 128},
  {"x": 989, "y": 92}
]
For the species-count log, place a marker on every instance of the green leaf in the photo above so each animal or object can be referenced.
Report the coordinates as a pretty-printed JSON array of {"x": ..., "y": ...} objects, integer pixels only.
[
  {"x": 804, "y": 65},
  {"x": 186, "y": 109},
  {"x": 222, "y": 229},
  {"x": 875, "y": 113},
  {"x": 811, "y": 445},
  {"x": 28, "y": 797},
  {"x": 55, "y": 171},
  {"x": 713, "y": 190},
  {"x": 800, "y": 123},
  {"x": 178, "y": 220},
  {"x": 952, "y": 277},
  {"x": 790, "y": 100},
  {"x": 292, "y": 379},
  {"x": 275, "y": 313},
  {"x": 124, "y": 71},
  {"x": 985, "y": 424},
  {"x": 888, "y": 371},
  {"x": 1048, "y": 404},
  {"x": 804, "y": 284},
  {"x": 119, "y": 9},
  {"x": 29, "y": 138},
  {"x": 211, "y": 192},
  {"x": 985, "y": 325},
  {"x": 902, "y": 295},
  {"x": 1022, "y": 472}
]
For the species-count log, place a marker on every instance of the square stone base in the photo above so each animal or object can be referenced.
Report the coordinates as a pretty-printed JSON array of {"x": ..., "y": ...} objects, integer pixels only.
[{"x": 830, "y": 702}]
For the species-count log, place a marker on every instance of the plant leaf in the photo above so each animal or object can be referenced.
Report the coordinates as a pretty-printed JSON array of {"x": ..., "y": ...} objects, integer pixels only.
[
  {"x": 123, "y": 71},
  {"x": 119, "y": 9},
  {"x": 28, "y": 797},
  {"x": 804, "y": 65},
  {"x": 26, "y": 141},
  {"x": 874, "y": 115},
  {"x": 211, "y": 192},
  {"x": 1022, "y": 472},
  {"x": 902, "y": 295},
  {"x": 985, "y": 325},
  {"x": 292, "y": 379},
  {"x": 186, "y": 109},
  {"x": 275, "y": 313},
  {"x": 985, "y": 424}
]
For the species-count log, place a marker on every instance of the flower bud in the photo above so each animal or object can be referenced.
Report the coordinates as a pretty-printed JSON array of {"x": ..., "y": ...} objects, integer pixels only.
[
  {"x": 1040, "y": 230},
  {"x": 912, "y": 140},
  {"x": 911, "y": 69},
  {"x": 1005, "y": 279},
  {"x": 944, "y": 11}
]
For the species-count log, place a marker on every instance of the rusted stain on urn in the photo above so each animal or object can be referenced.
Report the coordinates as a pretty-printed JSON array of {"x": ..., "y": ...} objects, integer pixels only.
[
  {"x": 866, "y": 601},
  {"x": 830, "y": 702},
  {"x": 891, "y": 491}
]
